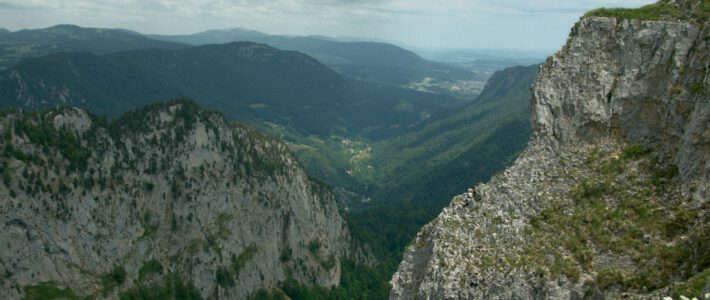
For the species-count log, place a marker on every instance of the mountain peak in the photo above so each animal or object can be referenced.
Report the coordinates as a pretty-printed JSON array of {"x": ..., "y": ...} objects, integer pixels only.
[
  {"x": 65, "y": 27},
  {"x": 182, "y": 113}
]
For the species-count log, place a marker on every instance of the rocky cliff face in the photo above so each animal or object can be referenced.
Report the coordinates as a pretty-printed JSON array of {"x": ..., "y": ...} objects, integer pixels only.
[
  {"x": 612, "y": 197},
  {"x": 637, "y": 81},
  {"x": 167, "y": 199}
]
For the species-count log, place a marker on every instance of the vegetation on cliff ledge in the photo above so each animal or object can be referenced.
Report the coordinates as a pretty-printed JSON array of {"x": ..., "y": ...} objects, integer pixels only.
[
  {"x": 662, "y": 10},
  {"x": 628, "y": 223}
]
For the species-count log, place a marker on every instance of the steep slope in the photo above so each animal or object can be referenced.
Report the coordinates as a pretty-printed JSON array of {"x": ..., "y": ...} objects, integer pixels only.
[
  {"x": 611, "y": 197},
  {"x": 370, "y": 61},
  {"x": 166, "y": 200},
  {"x": 18, "y": 45},
  {"x": 472, "y": 144}
]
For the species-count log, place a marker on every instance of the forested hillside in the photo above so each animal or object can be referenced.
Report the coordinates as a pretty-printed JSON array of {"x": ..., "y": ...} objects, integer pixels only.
[{"x": 251, "y": 82}]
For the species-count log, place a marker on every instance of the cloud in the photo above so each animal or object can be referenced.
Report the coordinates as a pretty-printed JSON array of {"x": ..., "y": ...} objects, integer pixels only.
[{"x": 454, "y": 23}]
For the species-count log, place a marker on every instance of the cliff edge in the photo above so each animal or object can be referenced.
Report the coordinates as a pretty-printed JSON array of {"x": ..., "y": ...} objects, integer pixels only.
[{"x": 611, "y": 198}]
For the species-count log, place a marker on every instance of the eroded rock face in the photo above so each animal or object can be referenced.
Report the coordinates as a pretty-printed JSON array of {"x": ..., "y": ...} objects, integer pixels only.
[
  {"x": 616, "y": 83},
  {"x": 225, "y": 209},
  {"x": 637, "y": 81},
  {"x": 458, "y": 255}
]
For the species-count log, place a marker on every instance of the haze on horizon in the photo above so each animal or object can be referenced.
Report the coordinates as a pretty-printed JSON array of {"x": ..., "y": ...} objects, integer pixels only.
[{"x": 541, "y": 25}]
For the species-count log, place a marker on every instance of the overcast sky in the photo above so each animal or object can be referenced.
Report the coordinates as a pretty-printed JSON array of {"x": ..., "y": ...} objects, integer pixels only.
[{"x": 486, "y": 24}]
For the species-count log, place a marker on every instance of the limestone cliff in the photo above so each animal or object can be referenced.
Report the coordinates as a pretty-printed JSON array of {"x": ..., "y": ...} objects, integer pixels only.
[
  {"x": 612, "y": 197},
  {"x": 167, "y": 199}
]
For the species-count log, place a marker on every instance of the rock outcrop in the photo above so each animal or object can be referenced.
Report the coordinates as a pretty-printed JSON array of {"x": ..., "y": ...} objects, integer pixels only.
[
  {"x": 638, "y": 81},
  {"x": 169, "y": 198},
  {"x": 612, "y": 197}
]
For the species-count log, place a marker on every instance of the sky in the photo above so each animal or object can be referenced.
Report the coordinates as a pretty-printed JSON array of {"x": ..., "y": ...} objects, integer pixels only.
[{"x": 431, "y": 24}]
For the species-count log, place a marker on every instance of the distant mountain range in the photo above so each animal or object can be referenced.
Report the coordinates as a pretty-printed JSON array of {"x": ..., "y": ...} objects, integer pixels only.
[
  {"x": 378, "y": 62},
  {"x": 245, "y": 81},
  {"x": 15, "y": 46},
  {"x": 485, "y": 61},
  {"x": 373, "y": 61}
]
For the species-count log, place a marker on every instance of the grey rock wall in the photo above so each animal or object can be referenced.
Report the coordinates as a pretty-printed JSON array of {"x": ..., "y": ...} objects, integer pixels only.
[
  {"x": 637, "y": 81},
  {"x": 175, "y": 185}
]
